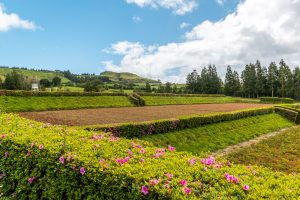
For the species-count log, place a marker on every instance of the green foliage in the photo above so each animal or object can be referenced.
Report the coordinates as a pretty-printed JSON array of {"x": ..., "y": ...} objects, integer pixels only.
[
  {"x": 281, "y": 152},
  {"x": 22, "y": 93},
  {"x": 287, "y": 113},
  {"x": 232, "y": 83},
  {"x": 15, "y": 81},
  {"x": 181, "y": 100},
  {"x": 136, "y": 99},
  {"x": 30, "y": 103},
  {"x": 56, "y": 81},
  {"x": 210, "y": 138},
  {"x": 180, "y": 95},
  {"x": 108, "y": 179},
  {"x": 276, "y": 100},
  {"x": 93, "y": 86},
  {"x": 132, "y": 130}
]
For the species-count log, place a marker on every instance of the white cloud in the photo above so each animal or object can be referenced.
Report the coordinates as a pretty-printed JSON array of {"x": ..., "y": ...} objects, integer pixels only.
[
  {"x": 258, "y": 29},
  {"x": 179, "y": 7},
  {"x": 220, "y": 2},
  {"x": 137, "y": 19},
  {"x": 12, "y": 20},
  {"x": 184, "y": 25}
]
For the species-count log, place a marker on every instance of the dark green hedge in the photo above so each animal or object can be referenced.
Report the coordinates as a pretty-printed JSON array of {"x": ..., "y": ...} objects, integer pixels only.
[
  {"x": 136, "y": 99},
  {"x": 287, "y": 107},
  {"x": 287, "y": 113},
  {"x": 132, "y": 130},
  {"x": 23, "y": 93},
  {"x": 181, "y": 95},
  {"x": 276, "y": 100}
]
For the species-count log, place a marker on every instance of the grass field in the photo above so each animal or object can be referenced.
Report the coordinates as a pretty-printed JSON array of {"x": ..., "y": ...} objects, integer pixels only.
[
  {"x": 34, "y": 74},
  {"x": 163, "y": 100},
  {"x": 281, "y": 152},
  {"x": 213, "y": 137},
  {"x": 19, "y": 104}
]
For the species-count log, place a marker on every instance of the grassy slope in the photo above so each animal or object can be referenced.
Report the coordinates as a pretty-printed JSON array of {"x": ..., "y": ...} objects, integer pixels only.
[
  {"x": 163, "y": 100},
  {"x": 18, "y": 104},
  {"x": 33, "y": 74},
  {"x": 281, "y": 152},
  {"x": 218, "y": 136},
  {"x": 126, "y": 77}
]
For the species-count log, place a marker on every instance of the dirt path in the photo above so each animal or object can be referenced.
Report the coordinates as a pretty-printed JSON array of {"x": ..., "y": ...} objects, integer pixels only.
[
  {"x": 233, "y": 148},
  {"x": 131, "y": 114}
]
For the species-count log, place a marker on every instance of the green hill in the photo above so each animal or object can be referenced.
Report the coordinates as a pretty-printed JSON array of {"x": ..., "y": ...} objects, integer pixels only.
[
  {"x": 32, "y": 74},
  {"x": 126, "y": 77}
]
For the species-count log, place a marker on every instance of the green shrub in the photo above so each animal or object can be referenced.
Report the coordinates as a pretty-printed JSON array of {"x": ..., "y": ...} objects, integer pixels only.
[
  {"x": 276, "y": 100},
  {"x": 24, "y": 93},
  {"x": 287, "y": 113},
  {"x": 180, "y": 95},
  {"x": 131, "y": 130},
  {"x": 91, "y": 168},
  {"x": 291, "y": 108},
  {"x": 136, "y": 99}
]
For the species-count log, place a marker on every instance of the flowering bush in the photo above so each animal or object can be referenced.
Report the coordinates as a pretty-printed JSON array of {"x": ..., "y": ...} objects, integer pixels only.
[
  {"x": 133, "y": 130},
  {"x": 69, "y": 163}
]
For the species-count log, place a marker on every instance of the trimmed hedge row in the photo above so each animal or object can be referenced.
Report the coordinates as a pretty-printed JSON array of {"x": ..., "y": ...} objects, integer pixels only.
[
  {"x": 136, "y": 99},
  {"x": 180, "y": 95},
  {"x": 133, "y": 130},
  {"x": 287, "y": 113},
  {"x": 24, "y": 93},
  {"x": 291, "y": 109},
  {"x": 276, "y": 100},
  {"x": 40, "y": 161}
]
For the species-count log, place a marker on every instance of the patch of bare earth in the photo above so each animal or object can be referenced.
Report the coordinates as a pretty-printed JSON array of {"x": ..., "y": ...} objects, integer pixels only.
[{"x": 130, "y": 114}]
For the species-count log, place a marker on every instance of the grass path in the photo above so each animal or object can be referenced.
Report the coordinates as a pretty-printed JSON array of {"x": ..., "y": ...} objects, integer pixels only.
[
  {"x": 237, "y": 147},
  {"x": 213, "y": 137}
]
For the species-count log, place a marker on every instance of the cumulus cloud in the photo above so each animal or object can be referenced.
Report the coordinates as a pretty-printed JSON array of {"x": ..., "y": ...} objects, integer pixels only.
[
  {"x": 220, "y": 2},
  {"x": 184, "y": 25},
  {"x": 258, "y": 29},
  {"x": 12, "y": 20},
  {"x": 179, "y": 7}
]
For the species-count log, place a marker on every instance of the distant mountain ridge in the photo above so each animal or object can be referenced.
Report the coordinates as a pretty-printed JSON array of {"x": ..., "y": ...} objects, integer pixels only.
[{"x": 126, "y": 77}]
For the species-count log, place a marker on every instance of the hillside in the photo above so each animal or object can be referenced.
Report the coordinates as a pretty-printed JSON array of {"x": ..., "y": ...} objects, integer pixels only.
[
  {"x": 32, "y": 74},
  {"x": 126, "y": 77}
]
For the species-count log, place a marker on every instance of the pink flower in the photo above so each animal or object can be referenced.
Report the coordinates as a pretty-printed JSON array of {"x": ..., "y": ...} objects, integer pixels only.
[
  {"x": 113, "y": 139},
  {"x": 192, "y": 161},
  {"x": 3, "y": 136},
  {"x": 28, "y": 153},
  {"x": 142, "y": 160},
  {"x": 183, "y": 182},
  {"x": 144, "y": 190},
  {"x": 32, "y": 145},
  {"x": 154, "y": 182},
  {"x": 187, "y": 190},
  {"x": 41, "y": 147},
  {"x": 169, "y": 176},
  {"x": 142, "y": 151},
  {"x": 6, "y": 154},
  {"x": 62, "y": 160},
  {"x": 130, "y": 152},
  {"x": 31, "y": 179},
  {"x": 171, "y": 148},
  {"x": 236, "y": 180},
  {"x": 82, "y": 171},
  {"x": 122, "y": 161},
  {"x": 208, "y": 161},
  {"x": 246, "y": 187},
  {"x": 101, "y": 161}
]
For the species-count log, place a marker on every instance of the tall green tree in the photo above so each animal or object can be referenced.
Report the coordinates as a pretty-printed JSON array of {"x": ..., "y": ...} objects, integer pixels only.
[
  {"x": 168, "y": 87},
  {"x": 56, "y": 81},
  {"x": 273, "y": 79},
  {"x": 192, "y": 82},
  {"x": 148, "y": 88},
  {"x": 261, "y": 79},
  {"x": 249, "y": 81},
  {"x": 15, "y": 81},
  {"x": 285, "y": 78},
  {"x": 229, "y": 82},
  {"x": 296, "y": 85}
]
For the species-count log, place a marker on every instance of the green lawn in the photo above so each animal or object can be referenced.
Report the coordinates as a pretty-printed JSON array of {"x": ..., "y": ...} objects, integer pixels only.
[
  {"x": 281, "y": 152},
  {"x": 19, "y": 104},
  {"x": 171, "y": 100},
  {"x": 213, "y": 137}
]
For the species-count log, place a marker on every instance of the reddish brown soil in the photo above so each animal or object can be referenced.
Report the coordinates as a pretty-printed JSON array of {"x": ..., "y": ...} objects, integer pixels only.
[{"x": 133, "y": 114}]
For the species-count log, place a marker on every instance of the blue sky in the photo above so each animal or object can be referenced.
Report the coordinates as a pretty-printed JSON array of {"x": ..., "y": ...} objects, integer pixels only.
[{"x": 71, "y": 34}]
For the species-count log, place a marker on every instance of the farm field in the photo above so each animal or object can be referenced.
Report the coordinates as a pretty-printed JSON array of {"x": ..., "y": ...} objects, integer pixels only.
[
  {"x": 86, "y": 165},
  {"x": 165, "y": 100},
  {"x": 133, "y": 114},
  {"x": 19, "y": 104},
  {"x": 210, "y": 138},
  {"x": 281, "y": 152}
]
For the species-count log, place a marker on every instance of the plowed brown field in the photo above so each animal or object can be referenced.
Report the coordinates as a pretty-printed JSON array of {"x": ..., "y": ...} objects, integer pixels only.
[{"x": 132, "y": 114}]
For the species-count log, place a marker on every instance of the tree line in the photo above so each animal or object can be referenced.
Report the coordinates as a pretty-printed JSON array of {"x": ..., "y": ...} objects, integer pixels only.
[{"x": 255, "y": 81}]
